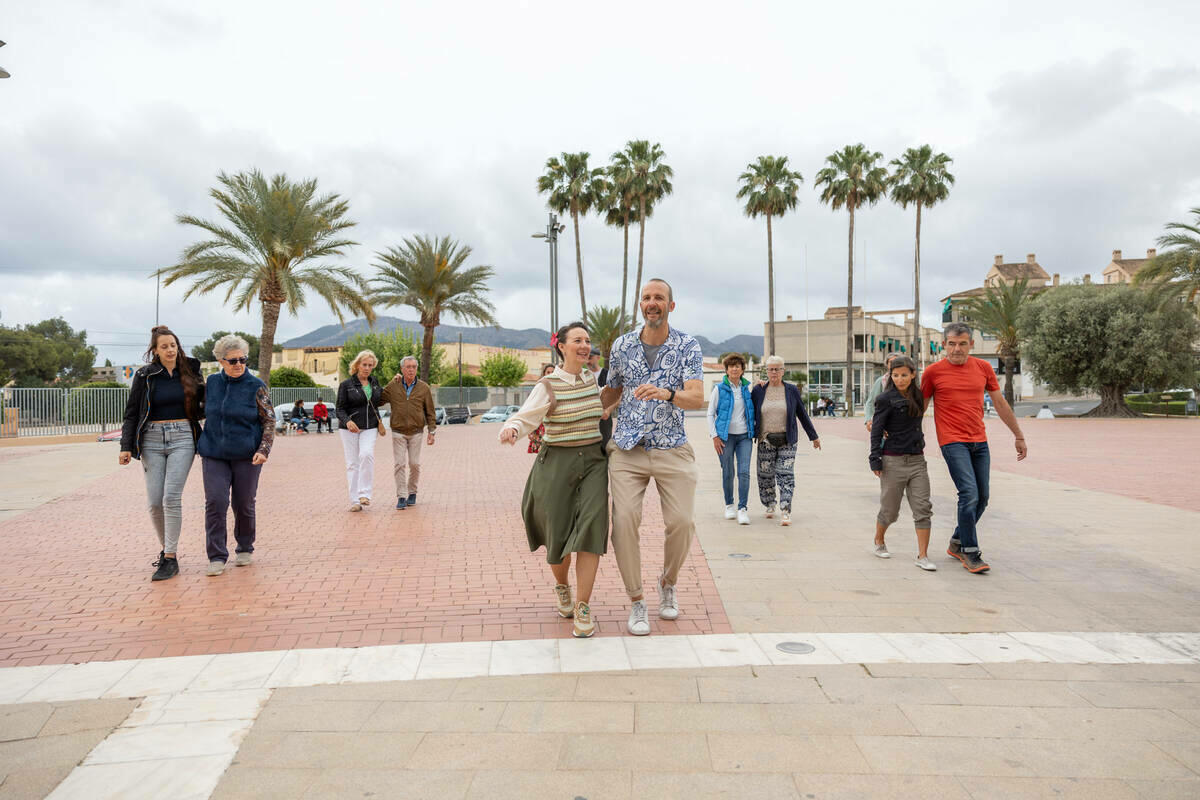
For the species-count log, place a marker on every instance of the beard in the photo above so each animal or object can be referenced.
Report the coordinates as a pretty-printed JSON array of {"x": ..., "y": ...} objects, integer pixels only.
[{"x": 657, "y": 322}]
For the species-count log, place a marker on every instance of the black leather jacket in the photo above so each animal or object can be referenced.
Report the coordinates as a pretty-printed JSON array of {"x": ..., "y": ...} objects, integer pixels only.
[
  {"x": 904, "y": 435},
  {"x": 137, "y": 409},
  {"x": 352, "y": 403}
]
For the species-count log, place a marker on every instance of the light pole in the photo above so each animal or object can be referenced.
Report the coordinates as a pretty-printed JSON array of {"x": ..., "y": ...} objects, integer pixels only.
[
  {"x": 4, "y": 72},
  {"x": 553, "y": 228}
]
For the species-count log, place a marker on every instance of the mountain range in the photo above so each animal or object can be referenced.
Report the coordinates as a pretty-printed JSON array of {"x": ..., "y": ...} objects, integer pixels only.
[{"x": 523, "y": 339}]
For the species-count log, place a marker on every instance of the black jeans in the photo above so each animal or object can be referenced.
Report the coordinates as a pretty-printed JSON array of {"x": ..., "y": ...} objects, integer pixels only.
[
  {"x": 224, "y": 480},
  {"x": 324, "y": 421}
]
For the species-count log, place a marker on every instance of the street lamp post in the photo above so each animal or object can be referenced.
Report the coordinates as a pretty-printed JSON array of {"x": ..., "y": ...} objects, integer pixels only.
[
  {"x": 553, "y": 228},
  {"x": 3, "y": 72}
]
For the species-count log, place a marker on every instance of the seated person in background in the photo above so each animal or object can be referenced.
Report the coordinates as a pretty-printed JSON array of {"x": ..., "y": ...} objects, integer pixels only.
[
  {"x": 299, "y": 416},
  {"x": 321, "y": 415}
]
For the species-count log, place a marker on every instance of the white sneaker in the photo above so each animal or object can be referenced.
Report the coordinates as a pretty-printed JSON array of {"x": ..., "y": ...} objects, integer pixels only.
[
  {"x": 881, "y": 551},
  {"x": 639, "y": 621},
  {"x": 743, "y": 516},
  {"x": 215, "y": 568},
  {"x": 243, "y": 559},
  {"x": 785, "y": 518},
  {"x": 668, "y": 605},
  {"x": 925, "y": 564},
  {"x": 771, "y": 510},
  {"x": 730, "y": 511}
]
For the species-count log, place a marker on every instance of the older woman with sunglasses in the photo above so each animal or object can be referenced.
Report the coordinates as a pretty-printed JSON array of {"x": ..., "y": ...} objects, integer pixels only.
[{"x": 238, "y": 432}]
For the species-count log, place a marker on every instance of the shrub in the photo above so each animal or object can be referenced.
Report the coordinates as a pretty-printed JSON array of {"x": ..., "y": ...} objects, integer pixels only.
[{"x": 290, "y": 377}]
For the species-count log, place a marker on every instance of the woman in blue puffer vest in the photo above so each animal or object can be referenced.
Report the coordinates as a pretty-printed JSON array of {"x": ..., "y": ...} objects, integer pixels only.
[{"x": 731, "y": 425}]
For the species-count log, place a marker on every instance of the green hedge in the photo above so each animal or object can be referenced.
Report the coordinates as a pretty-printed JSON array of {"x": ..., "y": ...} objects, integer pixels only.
[
  {"x": 1174, "y": 408},
  {"x": 1157, "y": 397}
]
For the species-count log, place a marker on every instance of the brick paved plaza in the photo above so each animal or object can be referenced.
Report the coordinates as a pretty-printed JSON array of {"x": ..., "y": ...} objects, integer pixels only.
[{"x": 406, "y": 654}]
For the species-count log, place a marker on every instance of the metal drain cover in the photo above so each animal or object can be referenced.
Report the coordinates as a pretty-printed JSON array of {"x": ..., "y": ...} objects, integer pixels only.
[
  {"x": 795, "y": 648},
  {"x": 739, "y": 555}
]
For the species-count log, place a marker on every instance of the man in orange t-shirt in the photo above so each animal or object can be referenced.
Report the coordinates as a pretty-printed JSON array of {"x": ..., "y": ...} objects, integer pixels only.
[{"x": 956, "y": 385}]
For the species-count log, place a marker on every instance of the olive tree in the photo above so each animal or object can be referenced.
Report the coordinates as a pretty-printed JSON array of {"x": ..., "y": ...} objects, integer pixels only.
[{"x": 1106, "y": 338}]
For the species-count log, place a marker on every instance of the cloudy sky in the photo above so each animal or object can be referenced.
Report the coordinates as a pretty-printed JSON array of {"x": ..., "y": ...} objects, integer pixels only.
[{"x": 1073, "y": 133}]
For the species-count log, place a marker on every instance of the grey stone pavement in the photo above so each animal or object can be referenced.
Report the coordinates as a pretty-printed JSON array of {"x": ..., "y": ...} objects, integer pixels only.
[{"x": 1064, "y": 559}]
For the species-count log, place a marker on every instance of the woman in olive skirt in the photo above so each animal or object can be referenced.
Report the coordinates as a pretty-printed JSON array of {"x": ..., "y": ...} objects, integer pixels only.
[{"x": 565, "y": 506}]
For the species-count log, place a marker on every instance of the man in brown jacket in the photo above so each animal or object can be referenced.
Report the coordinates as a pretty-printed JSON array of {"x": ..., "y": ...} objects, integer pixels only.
[{"x": 411, "y": 401}]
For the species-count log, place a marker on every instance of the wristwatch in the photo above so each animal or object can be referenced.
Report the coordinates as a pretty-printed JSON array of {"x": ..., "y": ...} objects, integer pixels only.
[{"x": 671, "y": 396}]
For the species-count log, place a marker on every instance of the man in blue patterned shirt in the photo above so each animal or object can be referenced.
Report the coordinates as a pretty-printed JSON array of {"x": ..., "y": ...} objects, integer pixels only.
[{"x": 655, "y": 373}]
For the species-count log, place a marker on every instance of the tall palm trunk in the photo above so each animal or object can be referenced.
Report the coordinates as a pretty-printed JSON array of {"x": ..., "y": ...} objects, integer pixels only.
[
  {"x": 579, "y": 266},
  {"x": 266, "y": 342},
  {"x": 848, "y": 378},
  {"x": 427, "y": 346},
  {"x": 1010, "y": 362},
  {"x": 916, "y": 340},
  {"x": 770, "y": 291},
  {"x": 624, "y": 275},
  {"x": 641, "y": 248}
]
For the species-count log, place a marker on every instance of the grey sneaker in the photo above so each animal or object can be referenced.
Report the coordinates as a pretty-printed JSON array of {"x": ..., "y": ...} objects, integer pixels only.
[
  {"x": 881, "y": 551},
  {"x": 215, "y": 568},
  {"x": 668, "y": 604},
  {"x": 973, "y": 562},
  {"x": 243, "y": 559},
  {"x": 771, "y": 509},
  {"x": 639, "y": 622},
  {"x": 924, "y": 563}
]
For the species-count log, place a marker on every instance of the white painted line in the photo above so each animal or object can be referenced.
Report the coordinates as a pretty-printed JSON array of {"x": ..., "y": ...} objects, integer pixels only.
[
  {"x": 144, "y": 780},
  {"x": 387, "y": 662},
  {"x": 311, "y": 667},
  {"x": 862, "y": 648},
  {"x": 995, "y": 648},
  {"x": 535, "y": 657},
  {"x": 593, "y": 655},
  {"x": 1066, "y": 648},
  {"x": 16, "y": 682},
  {"x": 929, "y": 648},
  {"x": 1140, "y": 648},
  {"x": 821, "y": 653},
  {"x": 160, "y": 676},
  {"x": 237, "y": 671},
  {"x": 79, "y": 681}
]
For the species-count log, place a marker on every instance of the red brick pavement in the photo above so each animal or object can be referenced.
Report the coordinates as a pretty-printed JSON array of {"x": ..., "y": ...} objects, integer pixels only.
[
  {"x": 75, "y": 582},
  {"x": 1155, "y": 460}
]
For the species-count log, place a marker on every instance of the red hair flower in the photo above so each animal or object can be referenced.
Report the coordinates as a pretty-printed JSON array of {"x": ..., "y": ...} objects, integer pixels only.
[{"x": 554, "y": 340}]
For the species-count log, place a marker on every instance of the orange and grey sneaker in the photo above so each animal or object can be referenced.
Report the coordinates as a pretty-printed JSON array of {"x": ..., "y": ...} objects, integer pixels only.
[
  {"x": 955, "y": 550},
  {"x": 973, "y": 562},
  {"x": 584, "y": 626},
  {"x": 566, "y": 609}
]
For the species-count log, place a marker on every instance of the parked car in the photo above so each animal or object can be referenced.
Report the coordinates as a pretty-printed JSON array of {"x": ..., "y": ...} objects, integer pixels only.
[
  {"x": 439, "y": 415},
  {"x": 499, "y": 413},
  {"x": 457, "y": 415},
  {"x": 110, "y": 436}
]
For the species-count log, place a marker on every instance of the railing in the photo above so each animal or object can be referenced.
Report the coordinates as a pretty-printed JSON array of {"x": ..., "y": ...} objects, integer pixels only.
[
  {"x": 290, "y": 394},
  {"x": 60, "y": 412}
]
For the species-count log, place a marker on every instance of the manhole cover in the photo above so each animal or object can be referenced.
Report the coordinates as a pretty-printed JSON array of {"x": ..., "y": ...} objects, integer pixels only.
[
  {"x": 739, "y": 555},
  {"x": 795, "y": 648}
]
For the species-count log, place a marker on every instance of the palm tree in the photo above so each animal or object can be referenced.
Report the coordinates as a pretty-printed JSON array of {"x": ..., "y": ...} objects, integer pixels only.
[
  {"x": 920, "y": 177},
  {"x": 428, "y": 275},
  {"x": 1182, "y": 264},
  {"x": 770, "y": 189},
  {"x": 996, "y": 313},
  {"x": 572, "y": 188},
  {"x": 275, "y": 231},
  {"x": 850, "y": 180},
  {"x": 606, "y": 323},
  {"x": 618, "y": 208},
  {"x": 642, "y": 165}
]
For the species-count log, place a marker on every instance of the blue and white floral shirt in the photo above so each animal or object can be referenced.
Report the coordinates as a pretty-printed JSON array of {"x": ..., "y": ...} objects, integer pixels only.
[{"x": 654, "y": 424}]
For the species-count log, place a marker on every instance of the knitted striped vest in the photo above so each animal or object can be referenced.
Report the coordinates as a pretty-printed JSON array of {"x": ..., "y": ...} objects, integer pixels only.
[{"x": 574, "y": 417}]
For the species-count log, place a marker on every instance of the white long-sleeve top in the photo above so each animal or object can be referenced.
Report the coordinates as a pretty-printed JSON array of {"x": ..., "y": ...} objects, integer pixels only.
[
  {"x": 535, "y": 408},
  {"x": 737, "y": 419}
]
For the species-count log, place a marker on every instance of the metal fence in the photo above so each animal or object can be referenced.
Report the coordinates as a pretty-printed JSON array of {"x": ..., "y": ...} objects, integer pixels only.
[
  {"x": 289, "y": 394},
  {"x": 60, "y": 412}
]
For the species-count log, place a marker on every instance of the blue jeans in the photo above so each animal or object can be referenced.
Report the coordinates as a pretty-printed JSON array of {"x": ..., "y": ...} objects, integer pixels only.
[
  {"x": 737, "y": 447},
  {"x": 970, "y": 467},
  {"x": 167, "y": 453}
]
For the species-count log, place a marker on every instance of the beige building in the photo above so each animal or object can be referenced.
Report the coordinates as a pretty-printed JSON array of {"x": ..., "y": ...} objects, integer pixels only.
[
  {"x": 320, "y": 363},
  {"x": 475, "y": 354},
  {"x": 818, "y": 347},
  {"x": 1122, "y": 270}
]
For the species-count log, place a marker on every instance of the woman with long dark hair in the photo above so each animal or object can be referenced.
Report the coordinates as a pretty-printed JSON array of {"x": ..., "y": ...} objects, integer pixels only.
[
  {"x": 162, "y": 425},
  {"x": 565, "y": 506},
  {"x": 899, "y": 459}
]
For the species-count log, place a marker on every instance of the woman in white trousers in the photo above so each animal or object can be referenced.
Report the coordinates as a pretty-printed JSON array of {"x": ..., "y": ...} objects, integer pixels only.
[{"x": 358, "y": 400}]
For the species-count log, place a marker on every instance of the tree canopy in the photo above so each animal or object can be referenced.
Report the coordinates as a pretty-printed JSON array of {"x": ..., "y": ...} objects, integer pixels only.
[
  {"x": 503, "y": 368},
  {"x": 46, "y": 352},
  {"x": 390, "y": 347},
  {"x": 1107, "y": 338},
  {"x": 290, "y": 376},
  {"x": 204, "y": 350}
]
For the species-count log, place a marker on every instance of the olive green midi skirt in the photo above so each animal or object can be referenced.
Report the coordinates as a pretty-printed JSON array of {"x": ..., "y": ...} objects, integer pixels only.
[{"x": 565, "y": 505}]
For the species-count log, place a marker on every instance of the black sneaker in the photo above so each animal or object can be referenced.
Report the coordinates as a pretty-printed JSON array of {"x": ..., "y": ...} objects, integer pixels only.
[
  {"x": 401, "y": 503},
  {"x": 167, "y": 568},
  {"x": 973, "y": 562},
  {"x": 955, "y": 550},
  {"x": 412, "y": 499}
]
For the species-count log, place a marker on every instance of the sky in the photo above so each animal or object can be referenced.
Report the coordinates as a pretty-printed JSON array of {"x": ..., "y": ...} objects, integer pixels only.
[{"x": 1074, "y": 129}]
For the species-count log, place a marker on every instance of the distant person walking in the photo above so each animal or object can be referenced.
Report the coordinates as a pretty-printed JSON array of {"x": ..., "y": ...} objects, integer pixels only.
[
  {"x": 956, "y": 385},
  {"x": 239, "y": 429},
  {"x": 655, "y": 373},
  {"x": 899, "y": 460},
  {"x": 731, "y": 426},
  {"x": 321, "y": 415},
  {"x": 777, "y": 407},
  {"x": 565, "y": 505},
  {"x": 877, "y": 388},
  {"x": 162, "y": 424},
  {"x": 358, "y": 401},
  {"x": 536, "y": 437},
  {"x": 414, "y": 421}
]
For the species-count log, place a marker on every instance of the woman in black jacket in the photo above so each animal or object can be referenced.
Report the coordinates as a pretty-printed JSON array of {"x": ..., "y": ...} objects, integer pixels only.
[
  {"x": 162, "y": 424},
  {"x": 358, "y": 401},
  {"x": 777, "y": 409},
  {"x": 899, "y": 461}
]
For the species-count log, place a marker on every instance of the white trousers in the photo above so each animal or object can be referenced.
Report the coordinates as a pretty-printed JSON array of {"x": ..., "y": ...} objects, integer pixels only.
[{"x": 360, "y": 461}]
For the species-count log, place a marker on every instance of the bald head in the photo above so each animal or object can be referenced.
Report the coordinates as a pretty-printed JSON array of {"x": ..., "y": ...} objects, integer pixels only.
[{"x": 656, "y": 302}]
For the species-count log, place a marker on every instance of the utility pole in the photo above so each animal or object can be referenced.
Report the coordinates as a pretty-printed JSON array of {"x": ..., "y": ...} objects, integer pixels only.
[
  {"x": 460, "y": 397},
  {"x": 553, "y": 228}
]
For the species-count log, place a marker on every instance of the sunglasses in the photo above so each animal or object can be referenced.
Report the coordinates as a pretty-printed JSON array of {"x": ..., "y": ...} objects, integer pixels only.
[{"x": 242, "y": 360}]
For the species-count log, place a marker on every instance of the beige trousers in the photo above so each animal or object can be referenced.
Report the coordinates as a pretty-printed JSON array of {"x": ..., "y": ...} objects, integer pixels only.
[
  {"x": 675, "y": 476},
  {"x": 406, "y": 456},
  {"x": 903, "y": 474}
]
